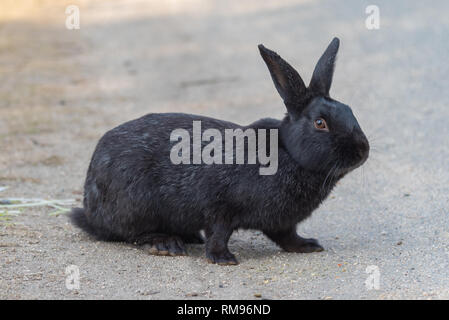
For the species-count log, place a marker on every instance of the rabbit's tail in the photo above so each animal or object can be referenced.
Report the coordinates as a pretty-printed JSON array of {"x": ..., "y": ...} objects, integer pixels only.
[{"x": 79, "y": 219}]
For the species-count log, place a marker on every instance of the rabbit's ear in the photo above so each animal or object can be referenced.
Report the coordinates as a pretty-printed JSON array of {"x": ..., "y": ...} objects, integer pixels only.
[
  {"x": 324, "y": 70},
  {"x": 286, "y": 79}
]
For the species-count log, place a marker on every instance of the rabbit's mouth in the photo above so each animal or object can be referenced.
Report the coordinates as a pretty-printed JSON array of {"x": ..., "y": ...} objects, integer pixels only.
[
  {"x": 356, "y": 152},
  {"x": 355, "y": 166},
  {"x": 361, "y": 158}
]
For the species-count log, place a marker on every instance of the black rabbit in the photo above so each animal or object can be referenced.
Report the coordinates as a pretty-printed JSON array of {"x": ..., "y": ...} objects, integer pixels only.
[{"x": 135, "y": 193}]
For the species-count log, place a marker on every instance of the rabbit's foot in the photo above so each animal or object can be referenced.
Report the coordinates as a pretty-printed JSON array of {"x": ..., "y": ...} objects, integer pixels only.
[
  {"x": 165, "y": 245},
  {"x": 194, "y": 238},
  {"x": 217, "y": 237},
  {"x": 291, "y": 242},
  {"x": 225, "y": 258},
  {"x": 303, "y": 245}
]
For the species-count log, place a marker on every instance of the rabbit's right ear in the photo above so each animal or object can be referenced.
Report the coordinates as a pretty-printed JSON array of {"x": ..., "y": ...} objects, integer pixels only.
[
  {"x": 286, "y": 79},
  {"x": 324, "y": 70}
]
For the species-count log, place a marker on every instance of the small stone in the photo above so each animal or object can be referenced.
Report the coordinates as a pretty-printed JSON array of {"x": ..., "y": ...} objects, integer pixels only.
[
  {"x": 258, "y": 295},
  {"x": 192, "y": 294}
]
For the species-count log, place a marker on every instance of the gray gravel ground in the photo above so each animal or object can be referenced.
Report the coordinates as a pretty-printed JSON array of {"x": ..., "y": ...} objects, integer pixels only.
[{"x": 134, "y": 57}]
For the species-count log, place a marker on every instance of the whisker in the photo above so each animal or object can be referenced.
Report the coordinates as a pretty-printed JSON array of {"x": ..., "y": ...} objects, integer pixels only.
[{"x": 329, "y": 175}]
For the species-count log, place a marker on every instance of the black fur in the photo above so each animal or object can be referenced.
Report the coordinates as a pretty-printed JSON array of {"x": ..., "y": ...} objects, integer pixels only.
[{"x": 134, "y": 193}]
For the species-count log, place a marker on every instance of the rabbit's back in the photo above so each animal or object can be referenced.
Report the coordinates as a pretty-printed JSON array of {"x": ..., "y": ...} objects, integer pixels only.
[{"x": 132, "y": 184}]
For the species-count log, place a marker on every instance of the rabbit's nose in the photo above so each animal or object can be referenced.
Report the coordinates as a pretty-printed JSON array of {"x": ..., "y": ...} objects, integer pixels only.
[{"x": 362, "y": 147}]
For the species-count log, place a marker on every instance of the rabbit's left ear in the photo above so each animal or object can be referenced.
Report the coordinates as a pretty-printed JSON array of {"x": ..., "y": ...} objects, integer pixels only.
[
  {"x": 286, "y": 79},
  {"x": 324, "y": 70}
]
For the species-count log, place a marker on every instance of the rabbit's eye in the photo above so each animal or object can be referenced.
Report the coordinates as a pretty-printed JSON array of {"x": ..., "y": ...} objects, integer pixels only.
[{"x": 321, "y": 124}]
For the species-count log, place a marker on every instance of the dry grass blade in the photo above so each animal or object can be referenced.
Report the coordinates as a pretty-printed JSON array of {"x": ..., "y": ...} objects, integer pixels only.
[{"x": 21, "y": 203}]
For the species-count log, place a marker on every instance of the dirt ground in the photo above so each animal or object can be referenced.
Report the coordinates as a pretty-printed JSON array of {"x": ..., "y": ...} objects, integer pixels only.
[{"x": 61, "y": 89}]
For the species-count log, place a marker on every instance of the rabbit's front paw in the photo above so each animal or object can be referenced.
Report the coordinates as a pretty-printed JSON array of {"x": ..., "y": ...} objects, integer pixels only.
[
  {"x": 303, "y": 245},
  {"x": 290, "y": 241},
  {"x": 222, "y": 258}
]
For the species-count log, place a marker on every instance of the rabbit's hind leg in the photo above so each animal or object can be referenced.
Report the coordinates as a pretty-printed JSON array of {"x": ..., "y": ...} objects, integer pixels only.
[{"x": 162, "y": 244}]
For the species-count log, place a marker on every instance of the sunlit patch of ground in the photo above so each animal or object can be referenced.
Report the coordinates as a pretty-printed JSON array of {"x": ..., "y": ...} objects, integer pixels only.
[{"x": 36, "y": 54}]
